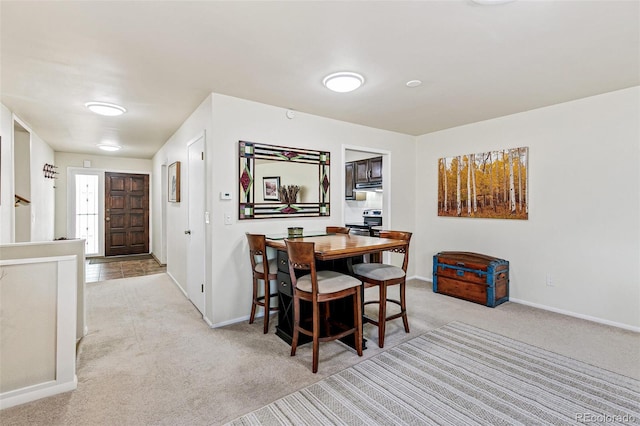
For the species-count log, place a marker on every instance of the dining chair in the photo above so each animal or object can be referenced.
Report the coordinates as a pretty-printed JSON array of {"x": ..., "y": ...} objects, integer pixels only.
[
  {"x": 264, "y": 270},
  {"x": 384, "y": 275},
  {"x": 337, "y": 230},
  {"x": 319, "y": 288}
]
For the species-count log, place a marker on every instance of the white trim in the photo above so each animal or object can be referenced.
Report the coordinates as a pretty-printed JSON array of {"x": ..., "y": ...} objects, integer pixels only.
[
  {"x": 576, "y": 315},
  {"x": 35, "y": 392},
  {"x": 178, "y": 285},
  {"x": 208, "y": 321},
  {"x": 386, "y": 178},
  {"x": 231, "y": 321},
  {"x": 560, "y": 311},
  {"x": 66, "y": 303}
]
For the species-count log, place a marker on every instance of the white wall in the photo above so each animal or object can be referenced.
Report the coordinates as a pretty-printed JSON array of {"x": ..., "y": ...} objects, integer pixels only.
[
  {"x": 42, "y": 191},
  {"x": 237, "y": 119},
  {"x": 228, "y": 120},
  {"x": 110, "y": 163},
  {"x": 175, "y": 214},
  {"x": 584, "y": 215}
]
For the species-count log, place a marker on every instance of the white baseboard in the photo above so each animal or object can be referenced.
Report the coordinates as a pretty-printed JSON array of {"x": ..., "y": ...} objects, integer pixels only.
[
  {"x": 32, "y": 393},
  {"x": 232, "y": 321},
  {"x": 157, "y": 260},
  {"x": 558, "y": 311},
  {"x": 178, "y": 285},
  {"x": 576, "y": 315},
  {"x": 208, "y": 321},
  {"x": 418, "y": 277}
]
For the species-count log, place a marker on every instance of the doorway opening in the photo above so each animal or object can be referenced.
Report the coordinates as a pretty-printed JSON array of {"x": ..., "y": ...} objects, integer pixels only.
[
  {"x": 22, "y": 182},
  {"x": 374, "y": 199}
]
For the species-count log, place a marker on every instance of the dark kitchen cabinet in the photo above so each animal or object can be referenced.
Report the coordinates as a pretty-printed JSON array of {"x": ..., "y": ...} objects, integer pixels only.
[
  {"x": 349, "y": 181},
  {"x": 369, "y": 170}
]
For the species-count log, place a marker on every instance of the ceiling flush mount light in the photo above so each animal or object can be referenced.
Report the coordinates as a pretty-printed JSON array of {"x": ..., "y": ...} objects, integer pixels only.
[
  {"x": 343, "y": 82},
  {"x": 110, "y": 148},
  {"x": 104, "y": 108},
  {"x": 413, "y": 83}
]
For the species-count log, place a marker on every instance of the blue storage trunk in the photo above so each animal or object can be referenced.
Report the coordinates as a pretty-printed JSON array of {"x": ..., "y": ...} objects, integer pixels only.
[{"x": 471, "y": 276}]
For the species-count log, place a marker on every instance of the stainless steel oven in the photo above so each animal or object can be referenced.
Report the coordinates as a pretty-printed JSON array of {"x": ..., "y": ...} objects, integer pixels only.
[{"x": 370, "y": 218}]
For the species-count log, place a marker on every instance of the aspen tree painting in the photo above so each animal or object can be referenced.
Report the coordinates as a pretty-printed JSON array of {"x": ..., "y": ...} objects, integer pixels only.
[{"x": 488, "y": 185}]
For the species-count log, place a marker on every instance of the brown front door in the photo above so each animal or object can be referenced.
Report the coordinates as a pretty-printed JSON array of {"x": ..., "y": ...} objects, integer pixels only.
[{"x": 126, "y": 214}]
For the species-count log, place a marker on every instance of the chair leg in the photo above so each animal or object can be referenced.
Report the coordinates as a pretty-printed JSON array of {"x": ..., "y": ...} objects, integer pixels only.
[
  {"x": 403, "y": 306},
  {"x": 316, "y": 336},
  {"x": 326, "y": 315},
  {"x": 296, "y": 323},
  {"x": 255, "y": 299},
  {"x": 357, "y": 318},
  {"x": 382, "y": 315},
  {"x": 267, "y": 299}
]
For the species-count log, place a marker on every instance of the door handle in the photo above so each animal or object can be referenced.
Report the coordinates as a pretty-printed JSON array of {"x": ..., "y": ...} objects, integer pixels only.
[
  {"x": 108, "y": 219},
  {"x": 187, "y": 232}
]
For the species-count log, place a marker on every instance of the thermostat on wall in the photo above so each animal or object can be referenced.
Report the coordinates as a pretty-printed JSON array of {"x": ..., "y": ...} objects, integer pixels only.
[{"x": 225, "y": 195}]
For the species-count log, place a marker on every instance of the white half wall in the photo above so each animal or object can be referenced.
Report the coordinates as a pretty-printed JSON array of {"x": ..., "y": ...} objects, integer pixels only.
[{"x": 584, "y": 215}]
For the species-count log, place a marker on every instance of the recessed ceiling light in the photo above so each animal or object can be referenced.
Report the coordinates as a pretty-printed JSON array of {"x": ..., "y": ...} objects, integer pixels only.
[
  {"x": 104, "y": 108},
  {"x": 413, "y": 83},
  {"x": 491, "y": 2},
  {"x": 343, "y": 82},
  {"x": 108, "y": 147}
]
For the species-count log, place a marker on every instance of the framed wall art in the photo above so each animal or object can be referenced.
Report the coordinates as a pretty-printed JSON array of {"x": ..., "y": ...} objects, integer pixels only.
[
  {"x": 174, "y": 182},
  {"x": 271, "y": 188},
  {"x": 492, "y": 185}
]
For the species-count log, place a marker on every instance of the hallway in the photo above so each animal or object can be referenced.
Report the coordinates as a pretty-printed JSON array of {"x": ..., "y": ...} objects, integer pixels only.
[{"x": 101, "y": 269}]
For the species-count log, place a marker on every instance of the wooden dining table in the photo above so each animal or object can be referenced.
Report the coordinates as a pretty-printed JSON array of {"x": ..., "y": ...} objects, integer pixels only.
[
  {"x": 332, "y": 251},
  {"x": 340, "y": 246}
]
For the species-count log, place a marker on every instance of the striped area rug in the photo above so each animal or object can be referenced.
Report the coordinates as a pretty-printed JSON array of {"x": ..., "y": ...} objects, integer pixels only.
[{"x": 460, "y": 375}]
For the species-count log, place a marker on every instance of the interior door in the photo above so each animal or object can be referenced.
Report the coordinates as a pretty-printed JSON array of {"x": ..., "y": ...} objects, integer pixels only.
[
  {"x": 126, "y": 214},
  {"x": 196, "y": 230}
]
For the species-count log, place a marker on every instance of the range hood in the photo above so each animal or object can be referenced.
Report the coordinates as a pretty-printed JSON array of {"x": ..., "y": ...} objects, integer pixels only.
[{"x": 369, "y": 187}]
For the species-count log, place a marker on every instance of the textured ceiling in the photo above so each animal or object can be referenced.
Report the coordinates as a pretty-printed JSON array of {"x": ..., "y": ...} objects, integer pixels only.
[{"x": 160, "y": 60}]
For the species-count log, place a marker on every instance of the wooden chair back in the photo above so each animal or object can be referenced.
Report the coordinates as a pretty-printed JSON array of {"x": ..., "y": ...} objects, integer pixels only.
[
  {"x": 302, "y": 257},
  {"x": 258, "y": 249},
  {"x": 399, "y": 235},
  {"x": 337, "y": 230}
]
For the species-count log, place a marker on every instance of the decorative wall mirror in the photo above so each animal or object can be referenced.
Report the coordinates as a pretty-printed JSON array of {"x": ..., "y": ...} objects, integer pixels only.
[{"x": 290, "y": 181}]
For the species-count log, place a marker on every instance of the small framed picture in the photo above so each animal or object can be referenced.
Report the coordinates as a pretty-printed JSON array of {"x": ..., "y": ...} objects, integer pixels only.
[
  {"x": 271, "y": 188},
  {"x": 174, "y": 182}
]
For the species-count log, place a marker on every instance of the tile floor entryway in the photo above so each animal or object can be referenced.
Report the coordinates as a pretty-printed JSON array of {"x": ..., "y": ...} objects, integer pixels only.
[{"x": 121, "y": 267}]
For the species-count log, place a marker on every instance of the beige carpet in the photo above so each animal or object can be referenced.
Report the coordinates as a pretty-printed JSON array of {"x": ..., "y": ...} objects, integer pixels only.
[{"x": 150, "y": 359}]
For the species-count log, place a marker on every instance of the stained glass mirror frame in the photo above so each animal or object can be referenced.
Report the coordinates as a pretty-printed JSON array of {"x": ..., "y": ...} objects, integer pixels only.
[{"x": 249, "y": 152}]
